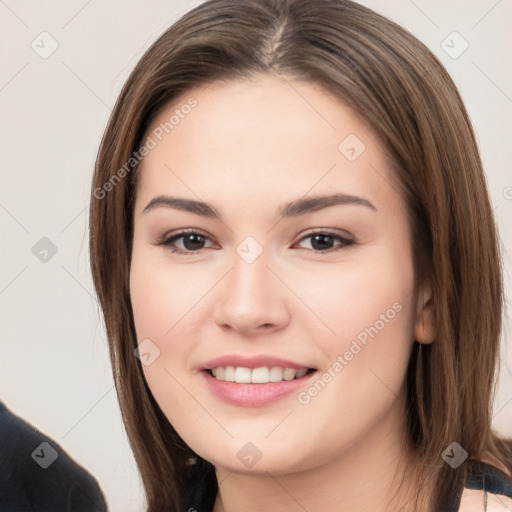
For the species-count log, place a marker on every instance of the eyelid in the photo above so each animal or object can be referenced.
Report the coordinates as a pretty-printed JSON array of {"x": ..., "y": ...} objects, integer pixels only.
[{"x": 328, "y": 231}]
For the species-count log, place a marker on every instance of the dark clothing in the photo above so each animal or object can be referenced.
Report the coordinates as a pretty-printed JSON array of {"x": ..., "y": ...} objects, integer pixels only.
[
  {"x": 36, "y": 475},
  {"x": 484, "y": 477},
  {"x": 202, "y": 490}
]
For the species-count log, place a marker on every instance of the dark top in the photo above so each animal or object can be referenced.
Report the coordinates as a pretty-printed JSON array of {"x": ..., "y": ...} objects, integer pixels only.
[
  {"x": 36, "y": 474},
  {"x": 202, "y": 487},
  {"x": 483, "y": 477}
]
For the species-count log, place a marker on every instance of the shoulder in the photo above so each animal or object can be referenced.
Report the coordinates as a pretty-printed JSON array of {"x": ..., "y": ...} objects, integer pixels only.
[
  {"x": 473, "y": 500},
  {"x": 487, "y": 473},
  {"x": 34, "y": 469}
]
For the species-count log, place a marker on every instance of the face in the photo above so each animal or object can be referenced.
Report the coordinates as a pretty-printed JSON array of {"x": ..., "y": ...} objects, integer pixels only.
[{"x": 271, "y": 239}]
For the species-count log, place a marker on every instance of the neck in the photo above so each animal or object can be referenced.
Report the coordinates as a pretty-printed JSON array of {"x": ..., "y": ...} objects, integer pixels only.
[{"x": 369, "y": 475}]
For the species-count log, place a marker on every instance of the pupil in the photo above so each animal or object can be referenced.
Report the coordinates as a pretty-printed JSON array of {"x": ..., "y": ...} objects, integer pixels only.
[
  {"x": 193, "y": 242},
  {"x": 319, "y": 242}
]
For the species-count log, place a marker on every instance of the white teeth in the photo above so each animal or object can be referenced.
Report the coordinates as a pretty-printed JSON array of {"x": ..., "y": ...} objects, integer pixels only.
[
  {"x": 301, "y": 373},
  {"x": 276, "y": 374},
  {"x": 242, "y": 375},
  {"x": 261, "y": 375},
  {"x": 229, "y": 375},
  {"x": 289, "y": 374}
]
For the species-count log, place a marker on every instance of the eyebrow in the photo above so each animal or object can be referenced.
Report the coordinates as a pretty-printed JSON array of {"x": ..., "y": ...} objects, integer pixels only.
[{"x": 295, "y": 208}]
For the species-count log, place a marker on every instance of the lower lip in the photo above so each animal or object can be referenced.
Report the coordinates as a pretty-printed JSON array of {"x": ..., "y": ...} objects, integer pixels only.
[{"x": 254, "y": 395}]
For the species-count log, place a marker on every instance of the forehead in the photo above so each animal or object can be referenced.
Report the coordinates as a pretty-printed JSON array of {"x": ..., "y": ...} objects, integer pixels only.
[{"x": 262, "y": 137}]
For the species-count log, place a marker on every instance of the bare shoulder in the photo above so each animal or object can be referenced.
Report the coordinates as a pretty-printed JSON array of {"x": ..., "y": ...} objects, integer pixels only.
[{"x": 473, "y": 501}]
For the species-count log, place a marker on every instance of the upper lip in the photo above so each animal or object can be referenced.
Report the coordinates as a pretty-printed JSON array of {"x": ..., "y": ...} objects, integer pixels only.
[{"x": 251, "y": 362}]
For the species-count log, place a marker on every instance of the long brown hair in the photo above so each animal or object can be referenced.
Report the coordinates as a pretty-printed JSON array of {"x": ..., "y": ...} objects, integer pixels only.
[{"x": 397, "y": 85}]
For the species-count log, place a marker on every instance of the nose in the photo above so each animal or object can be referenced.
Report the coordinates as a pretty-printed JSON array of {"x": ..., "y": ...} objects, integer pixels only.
[{"x": 251, "y": 300}]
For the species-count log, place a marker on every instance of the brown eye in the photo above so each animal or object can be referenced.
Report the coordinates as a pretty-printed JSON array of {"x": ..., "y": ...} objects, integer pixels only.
[
  {"x": 325, "y": 242},
  {"x": 322, "y": 242},
  {"x": 193, "y": 242},
  {"x": 186, "y": 242}
]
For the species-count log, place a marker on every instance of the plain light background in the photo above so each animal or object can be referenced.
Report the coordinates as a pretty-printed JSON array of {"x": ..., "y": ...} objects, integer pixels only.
[{"x": 54, "y": 366}]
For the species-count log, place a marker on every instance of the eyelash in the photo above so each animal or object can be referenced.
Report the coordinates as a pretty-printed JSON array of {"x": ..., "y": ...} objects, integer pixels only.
[{"x": 167, "y": 242}]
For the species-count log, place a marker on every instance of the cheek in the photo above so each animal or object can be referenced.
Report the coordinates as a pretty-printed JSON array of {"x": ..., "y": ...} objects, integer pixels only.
[
  {"x": 168, "y": 309},
  {"x": 369, "y": 306},
  {"x": 162, "y": 295},
  {"x": 163, "y": 304},
  {"x": 370, "y": 310},
  {"x": 364, "y": 329},
  {"x": 358, "y": 297}
]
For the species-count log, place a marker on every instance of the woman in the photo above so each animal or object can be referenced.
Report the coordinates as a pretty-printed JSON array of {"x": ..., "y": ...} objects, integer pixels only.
[{"x": 294, "y": 250}]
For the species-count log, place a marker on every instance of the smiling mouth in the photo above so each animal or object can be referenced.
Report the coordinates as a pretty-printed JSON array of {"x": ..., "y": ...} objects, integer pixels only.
[{"x": 261, "y": 375}]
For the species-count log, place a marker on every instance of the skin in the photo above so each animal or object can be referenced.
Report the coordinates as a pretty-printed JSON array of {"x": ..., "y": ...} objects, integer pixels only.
[{"x": 247, "y": 148}]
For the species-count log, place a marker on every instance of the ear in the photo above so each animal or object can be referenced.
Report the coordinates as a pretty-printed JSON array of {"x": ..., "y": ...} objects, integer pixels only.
[{"x": 425, "y": 329}]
